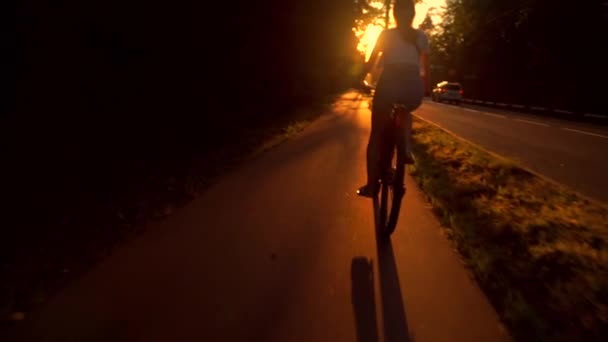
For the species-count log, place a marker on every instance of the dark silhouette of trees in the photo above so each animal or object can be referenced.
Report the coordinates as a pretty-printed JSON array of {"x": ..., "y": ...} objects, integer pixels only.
[
  {"x": 114, "y": 102},
  {"x": 541, "y": 52}
]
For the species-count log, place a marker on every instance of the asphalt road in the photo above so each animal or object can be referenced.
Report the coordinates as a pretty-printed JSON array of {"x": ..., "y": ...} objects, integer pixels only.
[
  {"x": 281, "y": 250},
  {"x": 573, "y": 154}
]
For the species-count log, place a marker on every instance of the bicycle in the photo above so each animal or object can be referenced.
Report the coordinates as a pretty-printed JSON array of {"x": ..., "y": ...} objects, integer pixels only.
[{"x": 392, "y": 167}]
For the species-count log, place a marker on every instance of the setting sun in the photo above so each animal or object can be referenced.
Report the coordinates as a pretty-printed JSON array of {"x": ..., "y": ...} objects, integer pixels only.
[{"x": 368, "y": 39}]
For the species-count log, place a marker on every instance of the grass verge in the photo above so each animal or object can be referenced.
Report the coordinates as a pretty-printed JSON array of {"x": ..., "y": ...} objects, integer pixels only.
[{"x": 538, "y": 250}]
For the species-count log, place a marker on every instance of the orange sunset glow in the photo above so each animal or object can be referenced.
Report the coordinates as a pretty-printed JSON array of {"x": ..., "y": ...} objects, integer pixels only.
[{"x": 371, "y": 33}]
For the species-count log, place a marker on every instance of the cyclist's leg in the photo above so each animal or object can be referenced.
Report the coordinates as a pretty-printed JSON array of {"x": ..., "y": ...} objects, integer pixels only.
[
  {"x": 375, "y": 138},
  {"x": 381, "y": 108},
  {"x": 410, "y": 96},
  {"x": 381, "y": 111},
  {"x": 404, "y": 137},
  {"x": 372, "y": 154},
  {"x": 403, "y": 154}
]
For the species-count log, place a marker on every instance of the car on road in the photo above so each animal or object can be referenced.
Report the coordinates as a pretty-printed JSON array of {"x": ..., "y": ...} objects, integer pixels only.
[{"x": 447, "y": 91}]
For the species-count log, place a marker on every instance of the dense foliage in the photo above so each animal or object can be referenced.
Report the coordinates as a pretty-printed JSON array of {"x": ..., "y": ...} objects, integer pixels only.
[{"x": 542, "y": 52}]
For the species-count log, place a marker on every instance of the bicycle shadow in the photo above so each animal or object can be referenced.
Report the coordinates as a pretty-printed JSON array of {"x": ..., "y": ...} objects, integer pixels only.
[
  {"x": 394, "y": 326},
  {"x": 363, "y": 299}
]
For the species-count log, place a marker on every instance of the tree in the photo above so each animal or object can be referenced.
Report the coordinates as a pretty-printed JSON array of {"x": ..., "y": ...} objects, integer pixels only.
[
  {"x": 427, "y": 24},
  {"x": 368, "y": 12},
  {"x": 523, "y": 51}
]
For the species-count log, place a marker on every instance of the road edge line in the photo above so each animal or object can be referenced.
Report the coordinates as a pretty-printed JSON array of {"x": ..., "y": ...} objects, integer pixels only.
[{"x": 585, "y": 132}]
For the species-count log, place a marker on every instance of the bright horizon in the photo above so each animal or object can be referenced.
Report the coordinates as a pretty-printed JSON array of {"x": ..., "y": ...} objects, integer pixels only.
[{"x": 423, "y": 7}]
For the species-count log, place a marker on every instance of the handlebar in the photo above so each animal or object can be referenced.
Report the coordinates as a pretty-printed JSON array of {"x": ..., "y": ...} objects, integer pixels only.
[{"x": 364, "y": 87}]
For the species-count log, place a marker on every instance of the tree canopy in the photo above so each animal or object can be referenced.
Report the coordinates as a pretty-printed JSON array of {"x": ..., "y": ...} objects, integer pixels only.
[{"x": 541, "y": 52}]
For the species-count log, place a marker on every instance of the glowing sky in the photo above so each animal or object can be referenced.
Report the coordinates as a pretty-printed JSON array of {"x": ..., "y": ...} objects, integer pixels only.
[{"x": 371, "y": 33}]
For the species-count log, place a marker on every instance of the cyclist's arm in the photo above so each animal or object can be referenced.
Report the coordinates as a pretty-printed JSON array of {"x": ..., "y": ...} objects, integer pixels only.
[
  {"x": 378, "y": 47},
  {"x": 426, "y": 77},
  {"x": 424, "y": 49}
]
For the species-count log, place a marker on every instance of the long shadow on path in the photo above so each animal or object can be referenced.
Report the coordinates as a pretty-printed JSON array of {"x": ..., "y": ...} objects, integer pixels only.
[{"x": 363, "y": 299}]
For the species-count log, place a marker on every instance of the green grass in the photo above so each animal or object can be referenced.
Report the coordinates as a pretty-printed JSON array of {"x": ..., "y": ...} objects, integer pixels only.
[{"x": 538, "y": 250}]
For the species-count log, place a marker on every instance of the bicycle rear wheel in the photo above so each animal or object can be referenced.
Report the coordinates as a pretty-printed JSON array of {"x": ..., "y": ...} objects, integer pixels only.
[{"x": 396, "y": 190}]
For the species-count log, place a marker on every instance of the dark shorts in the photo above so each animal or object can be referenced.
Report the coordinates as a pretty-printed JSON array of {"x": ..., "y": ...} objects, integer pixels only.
[{"x": 398, "y": 85}]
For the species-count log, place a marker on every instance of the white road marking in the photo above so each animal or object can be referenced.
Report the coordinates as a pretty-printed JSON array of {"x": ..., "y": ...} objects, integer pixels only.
[
  {"x": 494, "y": 115},
  {"x": 595, "y": 116},
  {"x": 585, "y": 132},
  {"x": 484, "y": 113},
  {"x": 532, "y": 122},
  {"x": 475, "y": 111},
  {"x": 447, "y": 105},
  {"x": 563, "y": 111}
]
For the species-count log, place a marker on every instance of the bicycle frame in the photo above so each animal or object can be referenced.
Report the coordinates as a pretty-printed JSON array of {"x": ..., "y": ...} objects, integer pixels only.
[
  {"x": 394, "y": 130},
  {"x": 392, "y": 170}
]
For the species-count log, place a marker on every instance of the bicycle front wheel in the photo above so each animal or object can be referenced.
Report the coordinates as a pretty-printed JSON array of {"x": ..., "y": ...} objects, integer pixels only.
[{"x": 391, "y": 195}]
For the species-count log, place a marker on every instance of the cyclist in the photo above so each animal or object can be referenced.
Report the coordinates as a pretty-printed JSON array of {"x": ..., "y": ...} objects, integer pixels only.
[{"x": 403, "y": 80}]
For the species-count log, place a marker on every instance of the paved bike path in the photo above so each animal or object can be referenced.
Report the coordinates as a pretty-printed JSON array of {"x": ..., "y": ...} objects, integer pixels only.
[{"x": 281, "y": 250}]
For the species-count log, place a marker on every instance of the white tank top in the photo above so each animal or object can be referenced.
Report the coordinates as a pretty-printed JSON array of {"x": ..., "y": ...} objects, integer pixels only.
[{"x": 398, "y": 51}]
